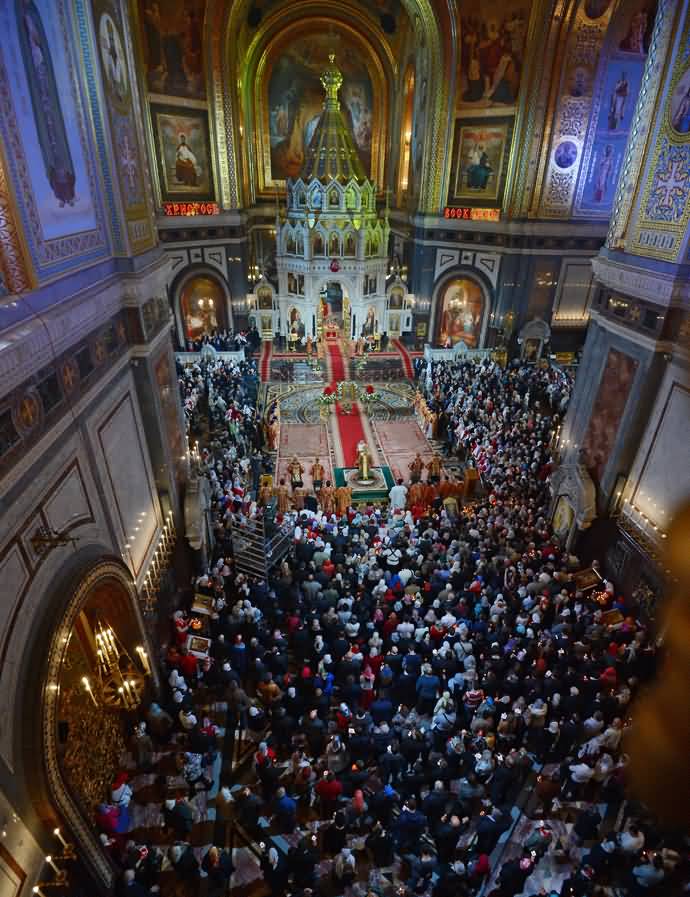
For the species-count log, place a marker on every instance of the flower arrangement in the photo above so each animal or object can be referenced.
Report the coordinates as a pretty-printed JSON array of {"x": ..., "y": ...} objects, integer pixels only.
[{"x": 327, "y": 397}]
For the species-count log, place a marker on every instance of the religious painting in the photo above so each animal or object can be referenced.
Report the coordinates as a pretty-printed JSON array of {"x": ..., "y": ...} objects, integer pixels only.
[
  {"x": 265, "y": 298},
  {"x": 609, "y": 405},
  {"x": 168, "y": 390},
  {"x": 492, "y": 54},
  {"x": 460, "y": 307},
  {"x": 566, "y": 154},
  {"x": 202, "y": 307},
  {"x": 621, "y": 87},
  {"x": 579, "y": 82},
  {"x": 637, "y": 29},
  {"x": 478, "y": 160},
  {"x": 563, "y": 517},
  {"x": 183, "y": 150},
  {"x": 370, "y": 327},
  {"x": 604, "y": 167},
  {"x": 295, "y": 100},
  {"x": 595, "y": 9},
  {"x": 395, "y": 298},
  {"x": 47, "y": 115},
  {"x": 679, "y": 105},
  {"x": 172, "y": 40},
  {"x": 296, "y": 322},
  {"x": 613, "y": 110}
]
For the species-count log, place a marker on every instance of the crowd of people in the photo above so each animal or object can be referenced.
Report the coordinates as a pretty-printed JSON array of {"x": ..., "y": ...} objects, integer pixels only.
[
  {"x": 408, "y": 680},
  {"x": 226, "y": 341}
]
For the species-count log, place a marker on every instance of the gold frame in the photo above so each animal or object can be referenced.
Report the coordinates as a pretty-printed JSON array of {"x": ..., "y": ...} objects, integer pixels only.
[{"x": 259, "y": 104}]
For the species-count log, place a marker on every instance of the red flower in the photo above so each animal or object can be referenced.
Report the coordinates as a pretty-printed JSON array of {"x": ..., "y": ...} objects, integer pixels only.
[{"x": 370, "y": 390}]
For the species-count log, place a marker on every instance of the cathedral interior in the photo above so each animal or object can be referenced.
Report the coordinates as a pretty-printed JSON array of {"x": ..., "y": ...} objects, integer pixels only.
[{"x": 344, "y": 467}]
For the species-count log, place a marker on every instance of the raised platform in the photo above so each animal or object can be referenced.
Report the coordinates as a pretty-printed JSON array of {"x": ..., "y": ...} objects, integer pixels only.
[{"x": 377, "y": 490}]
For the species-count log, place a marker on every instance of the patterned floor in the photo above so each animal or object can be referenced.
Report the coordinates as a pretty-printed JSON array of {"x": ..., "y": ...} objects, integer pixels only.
[{"x": 400, "y": 441}]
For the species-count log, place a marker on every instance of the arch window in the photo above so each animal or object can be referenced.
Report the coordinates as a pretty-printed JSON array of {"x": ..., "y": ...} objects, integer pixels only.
[
  {"x": 334, "y": 244},
  {"x": 350, "y": 244},
  {"x": 318, "y": 244}
]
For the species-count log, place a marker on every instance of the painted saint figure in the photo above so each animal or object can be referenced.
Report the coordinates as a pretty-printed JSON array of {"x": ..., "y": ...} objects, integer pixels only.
[
  {"x": 45, "y": 100},
  {"x": 681, "y": 116},
  {"x": 619, "y": 99},
  {"x": 479, "y": 169},
  {"x": 603, "y": 176},
  {"x": 186, "y": 166}
]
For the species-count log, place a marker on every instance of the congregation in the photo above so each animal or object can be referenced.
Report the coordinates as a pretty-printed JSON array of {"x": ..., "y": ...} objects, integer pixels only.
[{"x": 415, "y": 686}]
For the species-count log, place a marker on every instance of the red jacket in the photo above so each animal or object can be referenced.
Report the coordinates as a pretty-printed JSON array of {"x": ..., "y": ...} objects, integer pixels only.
[{"x": 329, "y": 790}]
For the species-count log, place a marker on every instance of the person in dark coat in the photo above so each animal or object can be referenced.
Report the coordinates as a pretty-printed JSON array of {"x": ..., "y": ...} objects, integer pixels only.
[{"x": 218, "y": 866}]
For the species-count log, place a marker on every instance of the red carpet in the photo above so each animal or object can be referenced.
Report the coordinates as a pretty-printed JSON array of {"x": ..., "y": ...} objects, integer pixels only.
[
  {"x": 265, "y": 361},
  {"x": 406, "y": 360},
  {"x": 350, "y": 427}
]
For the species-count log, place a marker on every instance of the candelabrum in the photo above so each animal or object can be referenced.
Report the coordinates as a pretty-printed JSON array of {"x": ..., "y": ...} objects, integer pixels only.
[
  {"x": 159, "y": 564},
  {"x": 60, "y": 877},
  {"x": 121, "y": 680}
]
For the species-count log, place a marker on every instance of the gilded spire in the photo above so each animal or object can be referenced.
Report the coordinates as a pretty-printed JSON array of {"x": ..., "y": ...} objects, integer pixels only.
[
  {"x": 332, "y": 152},
  {"x": 332, "y": 79}
]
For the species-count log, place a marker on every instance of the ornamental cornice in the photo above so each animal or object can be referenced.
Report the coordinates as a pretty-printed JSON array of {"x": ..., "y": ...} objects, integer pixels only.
[
  {"x": 639, "y": 283},
  {"x": 32, "y": 343}
]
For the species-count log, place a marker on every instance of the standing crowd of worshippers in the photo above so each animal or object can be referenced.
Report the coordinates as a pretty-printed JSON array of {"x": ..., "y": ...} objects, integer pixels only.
[{"x": 405, "y": 677}]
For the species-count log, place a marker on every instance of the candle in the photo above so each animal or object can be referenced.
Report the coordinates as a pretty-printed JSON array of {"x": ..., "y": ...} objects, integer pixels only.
[
  {"x": 36, "y": 890},
  {"x": 52, "y": 865},
  {"x": 144, "y": 659},
  {"x": 87, "y": 686},
  {"x": 58, "y": 835}
]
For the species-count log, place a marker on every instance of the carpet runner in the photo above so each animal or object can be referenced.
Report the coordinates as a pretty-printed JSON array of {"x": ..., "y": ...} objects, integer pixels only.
[
  {"x": 406, "y": 359},
  {"x": 265, "y": 361},
  {"x": 349, "y": 426}
]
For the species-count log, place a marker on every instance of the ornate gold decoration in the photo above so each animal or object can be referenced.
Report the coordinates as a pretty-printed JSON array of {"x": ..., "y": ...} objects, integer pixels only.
[
  {"x": 640, "y": 130},
  {"x": 72, "y": 812},
  {"x": 27, "y": 412},
  {"x": 654, "y": 237},
  {"x": 13, "y": 266},
  {"x": 571, "y": 116},
  {"x": 69, "y": 373}
]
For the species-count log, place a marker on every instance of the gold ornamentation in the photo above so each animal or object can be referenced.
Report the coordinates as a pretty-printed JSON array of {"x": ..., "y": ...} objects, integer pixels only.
[
  {"x": 13, "y": 267},
  {"x": 644, "y": 112},
  {"x": 655, "y": 238},
  {"x": 28, "y": 412}
]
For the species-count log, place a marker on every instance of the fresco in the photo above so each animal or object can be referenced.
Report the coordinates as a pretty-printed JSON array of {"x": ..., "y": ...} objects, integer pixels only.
[
  {"x": 183, "y": 152},
  {"x": 48, "y": 117},
  {"x": 295, "y": 100},
  {"x": 609, "y": 405},
  {"x": 602, "y": 177},
  {"x": 492, "y": 54},
  {"x": 116, "y": 81},
  {"x": 619, "y": 86},
  {"x": 460, "y": 306},
  {"x": 478, "y": 160},
  {"x": 172, "y": 41}
]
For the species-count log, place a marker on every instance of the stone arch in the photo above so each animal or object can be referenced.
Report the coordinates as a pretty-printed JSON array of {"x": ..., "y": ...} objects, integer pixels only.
[
  {"x": 223, "y": 297},
  {"x": 440, "y": 294},
  {"x": 42, "y": 678}
]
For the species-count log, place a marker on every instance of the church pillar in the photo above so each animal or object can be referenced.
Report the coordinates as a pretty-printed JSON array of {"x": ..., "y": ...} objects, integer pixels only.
[{"x": 639, "y": 318}]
